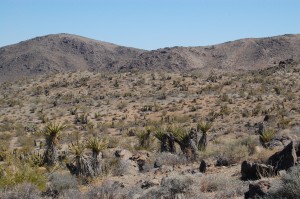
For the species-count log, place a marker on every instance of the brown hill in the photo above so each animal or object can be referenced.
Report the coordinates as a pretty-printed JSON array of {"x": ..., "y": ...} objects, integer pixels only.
[
  {"x": 64, "y": 52},
  {"x": 60, "y": 53},
  {"x": 247, "y": 54}
]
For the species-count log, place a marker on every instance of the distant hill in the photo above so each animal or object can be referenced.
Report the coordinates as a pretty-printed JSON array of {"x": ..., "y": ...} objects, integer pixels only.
[
  {"x": 246, "y": 54},
  {"x": 60, "y": 53},
  {"x": 65, "y": 52}
]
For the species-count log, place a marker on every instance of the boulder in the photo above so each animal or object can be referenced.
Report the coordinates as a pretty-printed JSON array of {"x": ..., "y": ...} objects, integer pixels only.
[
  {"x": 123, "y": 154},
  {"x": 222, "y": 162},
  {"x": 258, "y": 190},
  {"x": 255, "y": 171},
  {"x": 202, "y": 167},
  {"x": 284, "y": 159},
  {"x": 157, "y": 164}
]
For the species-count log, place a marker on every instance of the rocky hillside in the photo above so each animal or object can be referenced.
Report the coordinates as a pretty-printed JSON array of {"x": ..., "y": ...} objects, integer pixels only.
[
  {"x": 61, "y": 52},
  {"x": 246, "y": 54},
  {"x": 64, "y": 52}
]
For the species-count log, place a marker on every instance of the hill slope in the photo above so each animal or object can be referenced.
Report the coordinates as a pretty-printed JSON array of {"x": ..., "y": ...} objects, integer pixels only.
[
  {"x": 64, "y": 52},
  {"x": 245, "y": 54},
  {"x": 61, "y": 52}
]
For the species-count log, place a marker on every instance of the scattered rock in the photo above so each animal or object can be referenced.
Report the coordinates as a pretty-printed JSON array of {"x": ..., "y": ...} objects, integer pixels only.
[
  {"x": 258, "y": 190},
  {"x": 255, "y": 171},
  {"x": 141, "y": 164},
  {"x": 222, "y": 162},
  {"x": 202, "y": 167},
  {"x": 148, "y": 184},
  {"x": 123, "y": 154},
  {"x": 157, "y": 164},
  {"x": 284, "y": 159}
]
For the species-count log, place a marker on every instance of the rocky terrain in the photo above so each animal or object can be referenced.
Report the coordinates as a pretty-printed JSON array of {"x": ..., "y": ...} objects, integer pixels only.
[
  {"x": 154, "y": 134},
  {"x": 65, "y": 52}
]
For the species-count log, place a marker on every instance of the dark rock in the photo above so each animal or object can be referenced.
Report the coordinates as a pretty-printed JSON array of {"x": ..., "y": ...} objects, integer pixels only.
[
  {"x": 255, "y": 171},
  {"x": 222, "y": 162},
  {"x": 157, "y": 164},
  {"x": 258, "y": 190},
  {"x": 202, "y": 167},
  {"x": 297, "y": 148},
  {"x": 141, "y": 163},
  {"x": 284, "y": 159},
  {"x": 147, "y": 184}
]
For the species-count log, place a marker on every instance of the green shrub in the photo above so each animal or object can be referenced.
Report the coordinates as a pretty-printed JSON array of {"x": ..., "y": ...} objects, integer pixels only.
[{"x": 22, "y": 173}]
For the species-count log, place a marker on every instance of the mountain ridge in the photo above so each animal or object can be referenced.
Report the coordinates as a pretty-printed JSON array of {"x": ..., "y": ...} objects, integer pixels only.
[{"x": 65, "y": 52}]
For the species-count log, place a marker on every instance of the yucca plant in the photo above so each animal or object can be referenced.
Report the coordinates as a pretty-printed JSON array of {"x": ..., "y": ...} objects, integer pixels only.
[
  {"x": 144, "y": 137},
  {"x": 266, "y": 136},
  {"x": 52, "y": 134},
  {"x": 80, "y": 164},
  {"x": 96, "y": 145},
  {"x": 166, "y": 139},
  {"x": 204, "y": 128}
]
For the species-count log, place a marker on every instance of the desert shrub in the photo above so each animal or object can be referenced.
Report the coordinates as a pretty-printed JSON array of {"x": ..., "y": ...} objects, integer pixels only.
[
  {"x": 108, "y": 190},
  {"x": 225, "y": 187},
  {"x": 115, "y": 167},
  {"x": 250, "y": 142},
  {"x": 71, "y": 194},
  {"x": 24, "y": 191},
  {"x": 233, "y": 151},
  {"x": 170, "y": 159},
  {"x": 175, "y": 187},
  {"x": 267, "y": 136},
  {"x": 290, "y": 186},
  {"x": 22, "y": 173},
  {"x": 60, "y": 181}
]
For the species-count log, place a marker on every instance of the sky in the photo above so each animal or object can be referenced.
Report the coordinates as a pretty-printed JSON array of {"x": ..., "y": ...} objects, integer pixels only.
[{"x": 149, "y": 24}]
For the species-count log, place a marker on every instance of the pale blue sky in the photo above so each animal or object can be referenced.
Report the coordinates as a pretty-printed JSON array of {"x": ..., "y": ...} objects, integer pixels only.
[{"x": 149, "y": 24}]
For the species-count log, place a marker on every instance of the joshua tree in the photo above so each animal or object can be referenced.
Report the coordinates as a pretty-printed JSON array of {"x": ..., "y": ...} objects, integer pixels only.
[
  {"x": 96, "y": 145},
  {"x": 204, "y": 127},
  {"x": 80, "y": 164},
  {"x": 187, "y": 141},
  {"x": 52, "y": 133},
  {"x": 167, "y": 142}
]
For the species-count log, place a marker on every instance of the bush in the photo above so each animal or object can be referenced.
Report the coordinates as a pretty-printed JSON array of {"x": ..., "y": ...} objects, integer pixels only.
[
  {"x": 170, "y": 159},
  {"x": 226, "y": 187},
  {"x": 22, "y": 173},
  {"x": 24, "y": 191},
  {"x": 290, "y": 186},
  {"x": 62, "y": 181}
]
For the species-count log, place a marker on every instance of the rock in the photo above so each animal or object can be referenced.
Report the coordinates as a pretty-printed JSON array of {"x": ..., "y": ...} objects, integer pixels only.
[
  {"x": 123, "y": 154},
  {"x": 157, "y": 164},
  {"x": 202, "y": 167},
  {"x": 255, "y": 171},
  {"x": 222, "y": 162},
  {"x": 284, "y": 159},
  {"x": 148, "y": 184},
  {"x": 165, "y": 169},
  {"x": 141, "y": 164},
  {"x": 298, "y": 150},
  {"x": 258, "y": 190}
]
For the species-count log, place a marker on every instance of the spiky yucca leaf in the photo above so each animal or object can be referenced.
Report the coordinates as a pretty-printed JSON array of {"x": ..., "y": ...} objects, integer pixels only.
[
  {"x": 204, "y": 126},
  {"x": 52, "y": 132},
  {"x": 160, "y": 132},
  {"x": 97, "y": 144},
  {"x": 267, "y": 135},
  {"x": 180, "y": 133},
  {"x": 77, "y": 149}
]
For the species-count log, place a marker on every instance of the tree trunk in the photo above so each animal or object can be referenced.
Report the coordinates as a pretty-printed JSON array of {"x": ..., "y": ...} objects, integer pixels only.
[
  {"x": 202, "y": 142},
  {"x": 50, "y": 155}
]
